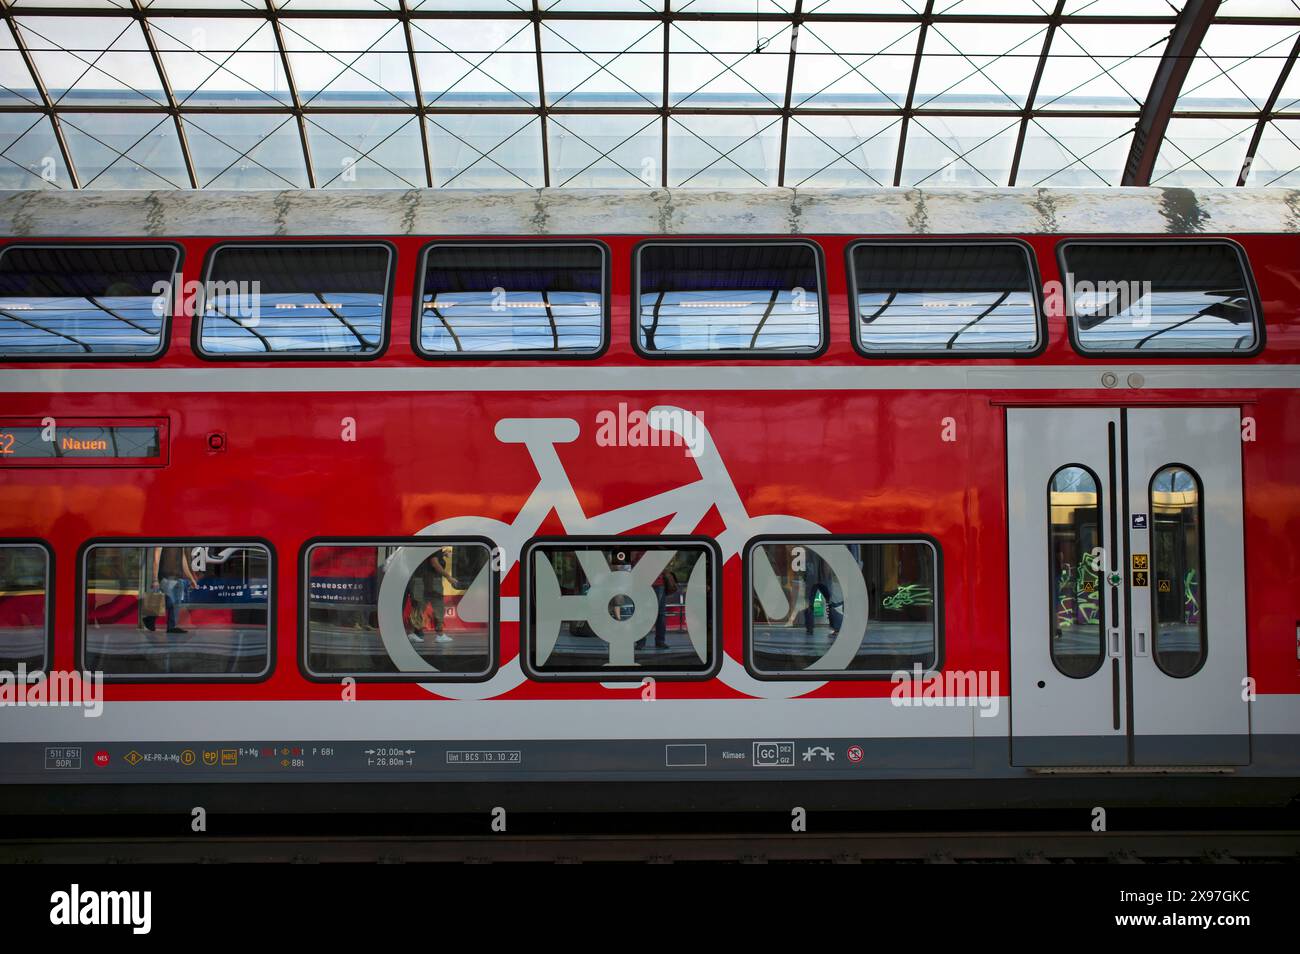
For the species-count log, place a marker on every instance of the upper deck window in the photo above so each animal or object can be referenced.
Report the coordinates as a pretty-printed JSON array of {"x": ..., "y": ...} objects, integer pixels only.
[
  {"x": 73, "y": 301},
  {"x": 943, "y": 298},
  {"x": 512, "y": 299},
  {"x": 1151, "y": 296},
  {"x": 714, "y": 298},
  {"x": 295, "y": 300}
]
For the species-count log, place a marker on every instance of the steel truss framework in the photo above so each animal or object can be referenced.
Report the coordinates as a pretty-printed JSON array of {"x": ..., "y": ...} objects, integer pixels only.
[{"x": 744, "y": 92}]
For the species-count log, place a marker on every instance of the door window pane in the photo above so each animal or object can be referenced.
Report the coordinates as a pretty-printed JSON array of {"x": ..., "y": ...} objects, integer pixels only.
[
  {"x": 928, "y": 297},
  {"x": 442, "y": 596},
  {"x": 69, "y": 301},
  {"x": 295, "y": 299},
  {"x": 24, "y": 611},
  {"x": 182, "y": 611},
  {"x": 1075, "y": 582},
  {"x": 631, "y": 609},
  {"x": 1177, "y": 296},
  {"x": 823, "y": 608},
  {"x": 1178, "y": 572},
  {"x": 752, "y": 298},
  {"x": 511, "y": 299}
]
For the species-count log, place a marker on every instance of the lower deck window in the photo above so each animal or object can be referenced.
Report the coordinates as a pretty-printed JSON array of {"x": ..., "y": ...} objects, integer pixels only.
[
  {"x": 621, "y": 609},
  {"x": 420, "y": 609},
  {"x": 24, "y": 606},
  {"x": 842, "y": 607},
  {"x": 176, "y": 610}
]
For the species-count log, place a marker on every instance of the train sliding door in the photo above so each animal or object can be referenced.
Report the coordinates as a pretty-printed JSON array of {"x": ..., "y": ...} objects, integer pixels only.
[
  {"x": 1128, "y": 640},
  {"x": 1189, "y": 623},
  {"x": 1068, "y": 665}
]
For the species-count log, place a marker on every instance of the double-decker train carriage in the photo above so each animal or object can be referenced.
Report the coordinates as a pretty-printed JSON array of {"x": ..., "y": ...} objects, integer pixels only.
[{"x": 720, "y": 487}]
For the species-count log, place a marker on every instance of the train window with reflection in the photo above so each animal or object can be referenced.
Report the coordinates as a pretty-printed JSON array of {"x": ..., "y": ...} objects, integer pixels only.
[
  {"x": 1179, "y": 643},
  {"x": 70, "y": 301},
  {"x": 941, "y": 298},
  {"x": 24, "y": 606},
  {"x": 842, "y": 608},
  {"x": 323, "y": 300},
  {"x": 1078, "y": 625},
  {"x": 747, "y": 298},
  {"x": 176, "y": 610},
  {"x": 421, "y": 610},
  {"x": 625, "y": 609},
  {"x": 485, "y": 299},
  {"x": 1153, "y": 297}
]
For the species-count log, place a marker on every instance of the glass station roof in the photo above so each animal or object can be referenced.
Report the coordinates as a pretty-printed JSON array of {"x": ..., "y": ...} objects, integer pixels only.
[{"x": 252, "y": 94}]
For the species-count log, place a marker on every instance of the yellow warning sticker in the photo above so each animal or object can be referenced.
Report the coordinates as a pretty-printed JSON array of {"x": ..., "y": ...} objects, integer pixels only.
[
  {"x": 1140, "y": 578},
  {"x": 1139, "y": 561},
  {"x": 1165, "y": 586}
]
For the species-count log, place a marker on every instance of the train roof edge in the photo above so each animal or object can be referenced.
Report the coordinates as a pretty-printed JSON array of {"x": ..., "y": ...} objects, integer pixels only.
[{"x": 519, "y": 212}]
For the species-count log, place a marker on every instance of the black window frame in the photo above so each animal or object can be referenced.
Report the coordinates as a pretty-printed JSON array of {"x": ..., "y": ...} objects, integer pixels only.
[
  {"x": 272, "y": 598},
  {"x": 841, "y": 675},
  {"x": 712, "y": 552},
  {"x": 1101, "y": 574},
  {"x": 50, "y": 577},
  {"x": 1137, "y": 354},
  {"x": 1035, "y": 290},
  {"x": 385, "y": 320},
  {"x": 304, "y": 608},
  {"x": 1200, "y": 542},
  {"x": 823, "y": 304},
  {"x": 168, "y": 319},
  {"x": 607, "y": 289}
]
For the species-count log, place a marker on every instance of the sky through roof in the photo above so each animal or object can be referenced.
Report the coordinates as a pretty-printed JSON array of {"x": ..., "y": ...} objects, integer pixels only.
[{"x": 252, "y": 94}]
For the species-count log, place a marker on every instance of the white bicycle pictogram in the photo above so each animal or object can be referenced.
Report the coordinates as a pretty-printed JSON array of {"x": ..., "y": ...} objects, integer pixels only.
[{"x": 685, "y": 506}]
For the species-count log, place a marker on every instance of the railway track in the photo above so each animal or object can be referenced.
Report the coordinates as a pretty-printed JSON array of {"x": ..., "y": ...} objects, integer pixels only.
[{"x": 1007, "y": 847}]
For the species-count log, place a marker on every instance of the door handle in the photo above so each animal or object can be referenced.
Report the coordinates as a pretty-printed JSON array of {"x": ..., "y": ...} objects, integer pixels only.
[
  {"x": 1141, "y": 644},
  {"x": 1114, "y": 642}
]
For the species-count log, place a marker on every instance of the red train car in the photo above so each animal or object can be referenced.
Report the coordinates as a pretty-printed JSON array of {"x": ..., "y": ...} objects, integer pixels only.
[{"x": 729, "y": 488}]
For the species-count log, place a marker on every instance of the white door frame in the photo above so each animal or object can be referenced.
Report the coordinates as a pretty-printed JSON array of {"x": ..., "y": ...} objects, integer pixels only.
[{"x": 1128, "y": 711}]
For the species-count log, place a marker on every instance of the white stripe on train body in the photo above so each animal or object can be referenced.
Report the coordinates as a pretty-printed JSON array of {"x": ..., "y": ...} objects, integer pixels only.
[{"x": 597, "y": 378}]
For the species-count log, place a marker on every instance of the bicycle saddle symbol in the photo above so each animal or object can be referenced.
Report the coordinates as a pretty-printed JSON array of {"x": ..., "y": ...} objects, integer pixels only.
[{"x": 685, "y": 507}]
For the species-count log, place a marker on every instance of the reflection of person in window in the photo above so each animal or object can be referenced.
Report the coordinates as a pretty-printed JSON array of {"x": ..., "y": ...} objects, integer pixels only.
[
  {"x": 665, "y": 584},
  {"x": 427, "y": 598},
  {"x": 171, "y": 573},
  {"x": 818, "y": 578}
]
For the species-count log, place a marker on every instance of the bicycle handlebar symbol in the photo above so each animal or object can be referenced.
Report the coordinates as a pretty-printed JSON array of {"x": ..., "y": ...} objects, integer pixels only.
[{"x": 685, "y": 506}]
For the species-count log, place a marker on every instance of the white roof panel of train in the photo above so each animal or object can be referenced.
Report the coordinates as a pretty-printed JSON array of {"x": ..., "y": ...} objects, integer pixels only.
[{"x": 886, "y": 211}]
